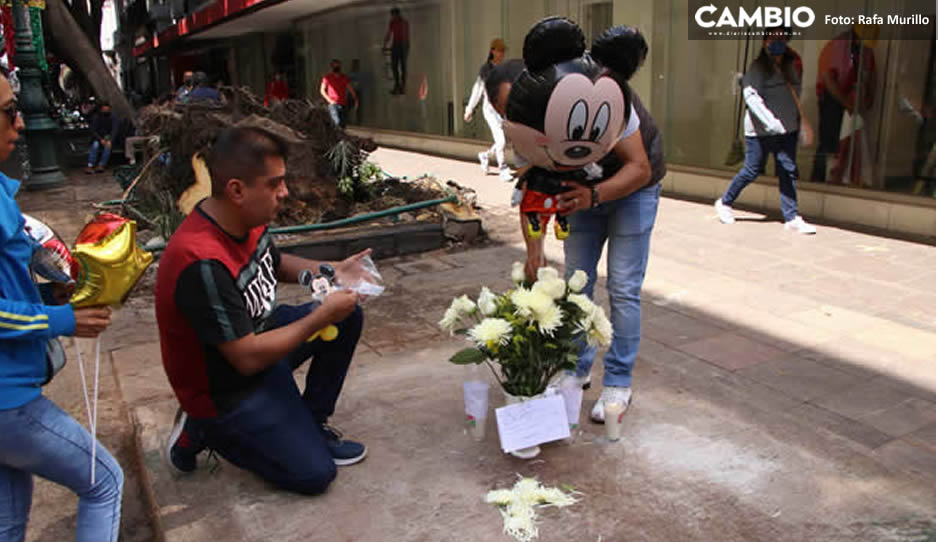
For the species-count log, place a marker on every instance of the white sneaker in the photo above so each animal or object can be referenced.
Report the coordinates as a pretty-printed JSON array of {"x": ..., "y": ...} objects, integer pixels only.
[
  {"x": 505, "y": 175},
  {"x": 798, "y": 224},
  {"x": 610, "y": 394},
  {"x": 484, "y": 161},
  {"x": 724, "y": 212}
]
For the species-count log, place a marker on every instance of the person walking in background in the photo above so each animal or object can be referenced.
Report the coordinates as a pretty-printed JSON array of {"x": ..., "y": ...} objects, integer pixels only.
[
  {"x": 398, "y": 39},
  {"x": 838, "y": 79},
  {"x": 277, "y": 90},
  {"x": 104, "y": 126},
  {"x": 335, "y": 89},
  {"x": 36, "y": 436},
  {"x": 772, "y": 124},
  {"x": 494, "y": 120}
]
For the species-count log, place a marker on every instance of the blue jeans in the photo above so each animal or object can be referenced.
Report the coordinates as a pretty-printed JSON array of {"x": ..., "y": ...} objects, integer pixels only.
[
  {"x": 626, "y": 223},
  {"x": 104, "y": 150},
  {"x": 274, "y": 432},
  {"x": 337, "y": 112},
  {"x": 758, "y": 149},
  {"x": 40, "y": 438}
]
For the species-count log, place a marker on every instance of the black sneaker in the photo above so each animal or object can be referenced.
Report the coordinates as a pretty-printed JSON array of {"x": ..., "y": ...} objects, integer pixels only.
[
  {"x": 183, "y": 445},
  {"x": 344, "y": 452}
]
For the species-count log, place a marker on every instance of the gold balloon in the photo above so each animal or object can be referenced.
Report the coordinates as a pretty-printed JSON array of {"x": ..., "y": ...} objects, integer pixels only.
[{"x": 110, "y": 261}]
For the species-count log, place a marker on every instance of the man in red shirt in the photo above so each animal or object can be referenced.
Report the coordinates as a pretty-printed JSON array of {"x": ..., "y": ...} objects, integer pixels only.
[
  {"x": 335, "y": 89},
  {"x": 277, "y": 90},
  {"x": 229, "y": 350},
  {"x": 399, "y": 36}
]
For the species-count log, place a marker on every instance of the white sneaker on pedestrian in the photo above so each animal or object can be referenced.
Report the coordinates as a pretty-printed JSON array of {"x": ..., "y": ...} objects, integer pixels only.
[
  {"x": 505, "y": 175},
  {"x": 610, "y": 394},
  {"x": 484, "y": 161},
  {"x": 798, "y": 224},
  {"x": 724, "y": 212}
]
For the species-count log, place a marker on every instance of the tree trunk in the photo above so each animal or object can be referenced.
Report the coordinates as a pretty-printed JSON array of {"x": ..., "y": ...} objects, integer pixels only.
[{"x": 72, "y": 44}]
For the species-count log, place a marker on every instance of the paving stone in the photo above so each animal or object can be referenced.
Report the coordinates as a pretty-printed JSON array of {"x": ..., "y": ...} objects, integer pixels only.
[
  {"x": 880, "y": 404},
  {"x": 801, "y": 378},
  {"x": 732, "y": 351},
  {"x": 677, "y": 329}
]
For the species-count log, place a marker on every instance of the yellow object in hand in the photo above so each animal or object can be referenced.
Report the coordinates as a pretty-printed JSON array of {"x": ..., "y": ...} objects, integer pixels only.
[{"x": 328, "y": 333}]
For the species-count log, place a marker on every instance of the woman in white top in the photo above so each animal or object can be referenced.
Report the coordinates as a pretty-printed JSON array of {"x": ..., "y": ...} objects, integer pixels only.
[{"x": 494, "y": 120}]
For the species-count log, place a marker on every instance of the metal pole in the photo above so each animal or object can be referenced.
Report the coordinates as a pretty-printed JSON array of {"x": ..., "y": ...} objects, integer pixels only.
[{"x": 40, "y": 129}]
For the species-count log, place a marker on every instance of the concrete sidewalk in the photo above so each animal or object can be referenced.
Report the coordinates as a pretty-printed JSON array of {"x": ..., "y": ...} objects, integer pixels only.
[{"x": 785, "y": 390}]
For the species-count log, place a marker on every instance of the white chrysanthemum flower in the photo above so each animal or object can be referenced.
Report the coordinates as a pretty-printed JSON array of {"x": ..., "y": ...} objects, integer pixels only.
[
  {"x": 491, "y": 333},
  {"x": 578, "y": 281},
  {"x": 586, "y": 304},
  {"x": 517, "y": 272},
  {"x": 601, "y": 332},
  {"x": 450, "y": 319},
  {"x": 524, "y": 301},
  {"x": 549, "y": 320},
  {"x": 555, "y": 497},
  {"x": 501, "y": 497},
  {"x": 464, "y": 305},
  {"x": 555, "y": 288},
  {"x": 546, "y": 273},
  {"x": 487, "y": 302}
]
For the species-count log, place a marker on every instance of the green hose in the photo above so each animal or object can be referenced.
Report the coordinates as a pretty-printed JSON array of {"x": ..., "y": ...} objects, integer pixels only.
[{"x": 350, "y": 220}]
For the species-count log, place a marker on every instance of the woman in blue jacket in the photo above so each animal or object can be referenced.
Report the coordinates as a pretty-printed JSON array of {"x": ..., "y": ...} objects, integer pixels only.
[{"x": 36, "y": 436}]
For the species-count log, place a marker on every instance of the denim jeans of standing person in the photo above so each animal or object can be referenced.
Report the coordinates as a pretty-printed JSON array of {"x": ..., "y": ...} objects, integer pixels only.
[
  {"x": 40, "y": 439},
  {"x": 758, "y": 149},
  {"x": 275, "y": 431},
  {"x": 626, "y": 224},
  {"x": 337, "y": 112},
  {"x": 103, "y": 150}
]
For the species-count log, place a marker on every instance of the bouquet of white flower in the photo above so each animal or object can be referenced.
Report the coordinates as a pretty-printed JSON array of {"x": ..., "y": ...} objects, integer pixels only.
[{"x": 530, "y": 332}]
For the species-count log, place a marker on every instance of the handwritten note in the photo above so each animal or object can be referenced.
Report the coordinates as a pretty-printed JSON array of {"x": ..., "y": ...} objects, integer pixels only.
[{"x": 532, "y": 422}]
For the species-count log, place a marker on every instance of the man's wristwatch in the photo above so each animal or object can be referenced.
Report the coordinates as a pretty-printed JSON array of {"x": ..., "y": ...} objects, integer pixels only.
[{"x": 594, "y": 197}]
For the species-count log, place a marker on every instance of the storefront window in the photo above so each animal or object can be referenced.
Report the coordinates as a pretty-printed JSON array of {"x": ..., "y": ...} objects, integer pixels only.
[{"x": 887, "y": 145}]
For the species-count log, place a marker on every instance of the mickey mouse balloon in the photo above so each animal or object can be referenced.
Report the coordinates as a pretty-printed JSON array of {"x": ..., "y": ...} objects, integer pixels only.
[{"x": 565, "y": 110}]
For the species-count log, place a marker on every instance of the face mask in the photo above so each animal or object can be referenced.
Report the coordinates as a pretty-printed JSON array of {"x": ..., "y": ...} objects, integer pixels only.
[
  {"x": 337, "y": 69},
  {"x": 776, "y": 48},
  {"x": 187, "y": 81}
]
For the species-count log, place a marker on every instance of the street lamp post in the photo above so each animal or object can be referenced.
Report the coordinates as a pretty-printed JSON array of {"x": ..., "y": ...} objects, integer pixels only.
[{"x": 40, "y": 128}]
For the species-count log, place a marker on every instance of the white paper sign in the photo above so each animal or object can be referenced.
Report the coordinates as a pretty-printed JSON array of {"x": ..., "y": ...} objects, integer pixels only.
[{"x": 532, "y": 422}]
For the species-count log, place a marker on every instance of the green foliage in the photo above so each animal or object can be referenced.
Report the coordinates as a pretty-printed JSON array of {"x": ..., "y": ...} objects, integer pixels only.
[
  {"x": 354, "y": 173},
  {"x": 468, "y": 356}
]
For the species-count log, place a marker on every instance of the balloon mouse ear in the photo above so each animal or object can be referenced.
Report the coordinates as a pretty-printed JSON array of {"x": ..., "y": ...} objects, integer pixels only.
[
  {"x": 552, "y": 40},
  {"x": 622, "y": 49}
]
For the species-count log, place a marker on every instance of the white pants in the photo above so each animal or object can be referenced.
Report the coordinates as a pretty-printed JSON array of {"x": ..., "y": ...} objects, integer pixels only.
[{"x": 495, "y": 125}]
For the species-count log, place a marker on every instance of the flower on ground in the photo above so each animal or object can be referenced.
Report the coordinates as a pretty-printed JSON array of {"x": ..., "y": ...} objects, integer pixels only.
[
  {"x": 578, "y": 281},
  {"x": 553, "y": 287},
  {"x": 491, "y": 333},
  {"x": 487, "y": 302},
  {"x": 517, "y": 272}
]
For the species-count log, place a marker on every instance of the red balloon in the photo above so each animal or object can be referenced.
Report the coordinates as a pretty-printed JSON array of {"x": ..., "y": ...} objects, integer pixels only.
[{"x": 52, "y": 260}]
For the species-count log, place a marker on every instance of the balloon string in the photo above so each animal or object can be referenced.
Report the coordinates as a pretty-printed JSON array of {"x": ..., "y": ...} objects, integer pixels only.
[
  {"x": 92, "y": 413},
  {"x": 94, "y": 425}
]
